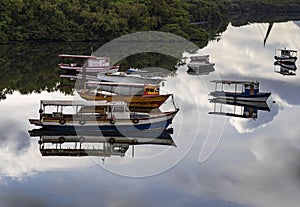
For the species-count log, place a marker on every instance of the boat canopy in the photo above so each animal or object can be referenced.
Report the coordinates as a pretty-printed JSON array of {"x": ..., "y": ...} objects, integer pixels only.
[
  {"x": 80, "y": 103},
  {"x": 234, "y": 82},
  {"x": 81, "y": 56},
  {"x": 120, "y": 84}
]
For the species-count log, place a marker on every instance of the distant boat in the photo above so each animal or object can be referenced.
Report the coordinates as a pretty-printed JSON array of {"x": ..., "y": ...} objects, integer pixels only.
[
  {"x": 89, "y": 64},
  {"x": 121, "y": 77},
  {"x": 137, "y": 96},
  {"x": 250, "y": 91},
  {"x": 286, "y": 56},
  {"x": 198, "y": 63},
  {"x": 101, "y": 115}
]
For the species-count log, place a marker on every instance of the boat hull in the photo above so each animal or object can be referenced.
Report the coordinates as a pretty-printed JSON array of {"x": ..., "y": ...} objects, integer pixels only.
[
  {"x": 128, "y": 79},
  {"x": 260, "y": 97},
  {"x": 88, "y": 69},
  {"x": 161, "y": 121},
  {"x": 147, "y": 101}
]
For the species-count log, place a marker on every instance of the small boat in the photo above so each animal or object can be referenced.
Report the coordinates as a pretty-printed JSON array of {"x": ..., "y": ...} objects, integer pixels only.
[
  {"x": 90, "y": 64},
  {"x": 98, "y": 115},
  {"x": 198, "y": 63},
  {"x": 284, "y": 55},
  {"x": 249, "y": 92},
  {"x": 135, "y": 70},
  {"x": 121, "y": 77},
  {"x": 137, "y": 96}
]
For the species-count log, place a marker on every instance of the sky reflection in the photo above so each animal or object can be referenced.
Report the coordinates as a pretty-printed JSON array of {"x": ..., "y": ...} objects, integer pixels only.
[{"x": 218, "y": 161}]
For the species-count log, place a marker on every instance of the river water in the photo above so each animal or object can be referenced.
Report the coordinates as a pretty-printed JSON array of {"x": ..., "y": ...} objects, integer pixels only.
[{"x": 217, "y": 161}]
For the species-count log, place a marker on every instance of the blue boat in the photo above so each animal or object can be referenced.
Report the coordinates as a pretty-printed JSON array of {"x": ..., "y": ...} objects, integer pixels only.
[
  {"x": 249, "y": 91},
  {"x": 99, "y": 115}
]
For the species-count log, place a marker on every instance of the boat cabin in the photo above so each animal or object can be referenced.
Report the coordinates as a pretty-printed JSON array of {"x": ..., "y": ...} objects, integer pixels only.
[
  {"x": 89, "y": 61},
  {"x": 131, "y": 89},
  {"x": 248, "y": 87},
  {"x": 70, "y": 109}
]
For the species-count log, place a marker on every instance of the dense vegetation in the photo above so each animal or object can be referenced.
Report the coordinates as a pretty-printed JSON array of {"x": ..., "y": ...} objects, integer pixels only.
[{"x": 85, "y": 20}]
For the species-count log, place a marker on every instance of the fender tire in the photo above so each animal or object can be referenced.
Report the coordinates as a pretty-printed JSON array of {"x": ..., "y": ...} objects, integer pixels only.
[
  {"x": 135, "y": 121},
  {"x": 62, "y": 121}
]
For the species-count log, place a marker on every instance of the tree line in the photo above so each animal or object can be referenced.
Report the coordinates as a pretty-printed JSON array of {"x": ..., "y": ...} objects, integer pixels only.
[{"x": 90, "y": 20}]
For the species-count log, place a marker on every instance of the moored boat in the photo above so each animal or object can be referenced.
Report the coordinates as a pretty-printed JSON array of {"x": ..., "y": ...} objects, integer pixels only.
[
  {"x": 250, "y": 91},
  {"x": 137, "y": 96},
  {"x": 198, "y": 63},
  {"x": 90, "y": 64},
  {"x": 285, "y": 55},
  {"x": 121, "y": 77},
  {"x": 98, "y": 115}
]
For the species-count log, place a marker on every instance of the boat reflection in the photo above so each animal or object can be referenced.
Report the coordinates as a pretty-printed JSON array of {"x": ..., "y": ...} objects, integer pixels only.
[
  {"x": 92, "y": 143},
  {"x": 240, "y": 109},
  {"x": 285, "y": 69}
]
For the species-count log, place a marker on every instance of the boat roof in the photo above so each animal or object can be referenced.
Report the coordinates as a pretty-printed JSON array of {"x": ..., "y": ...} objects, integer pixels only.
[
  {"x": 81, "y": 56},
  {"x": 234, "y": 82},
  {"x": 287, "y": 50},
  {"x": 80, "y": 103},
  {"x": 121, "y": 84}
]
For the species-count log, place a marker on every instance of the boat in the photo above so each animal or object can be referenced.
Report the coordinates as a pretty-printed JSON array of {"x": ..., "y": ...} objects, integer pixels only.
[
  {"x": 137, "y": 96},
  {"x": 91, "y": 64},
  {"x": 122, "y": 77},
  {"x": 250, "y": 91},
  {"x": 200, "y": 63},
  {"x": 98, "y": 115},
  {"x": 284, "y": 55}
]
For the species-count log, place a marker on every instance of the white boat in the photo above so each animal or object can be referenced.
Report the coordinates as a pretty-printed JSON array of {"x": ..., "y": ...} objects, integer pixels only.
[
  {"x": 121, "y": 77},
  {"x": 89, "y": 64},
  {"x": 99, "y": 115},
  {"x": 284, "y": 55},
  {"x": 198, "y": 63}
]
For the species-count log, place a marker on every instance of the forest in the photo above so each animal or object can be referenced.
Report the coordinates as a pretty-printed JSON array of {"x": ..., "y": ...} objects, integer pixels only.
[{"x": 103, "y": 20}]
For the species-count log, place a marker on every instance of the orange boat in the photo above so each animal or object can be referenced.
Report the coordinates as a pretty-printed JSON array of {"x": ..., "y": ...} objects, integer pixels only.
[{"x": 150, "y": 98}]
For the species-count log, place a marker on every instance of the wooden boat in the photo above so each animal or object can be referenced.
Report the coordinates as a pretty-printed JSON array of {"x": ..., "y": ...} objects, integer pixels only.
[
  {"x": 121, "y": 77},
  {"x": 250, "y": 91},
  {"x": 284, "y": 55},
  {"x": 98, "y": 115},
  {"x": 137, "y": 96},
  {"x": 89, "y": 64}
]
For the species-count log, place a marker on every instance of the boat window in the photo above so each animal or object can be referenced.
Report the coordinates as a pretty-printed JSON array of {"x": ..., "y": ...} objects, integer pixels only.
[
  {"x": 151, "y": 90},
  {"x": 156, "y": 89},
  {"x": 147, "y": 89},
  {"x": 118, "y": 109}
]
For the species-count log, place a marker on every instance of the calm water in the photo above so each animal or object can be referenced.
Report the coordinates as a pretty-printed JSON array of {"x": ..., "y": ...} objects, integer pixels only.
[{"x": 218, "y": 161}]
